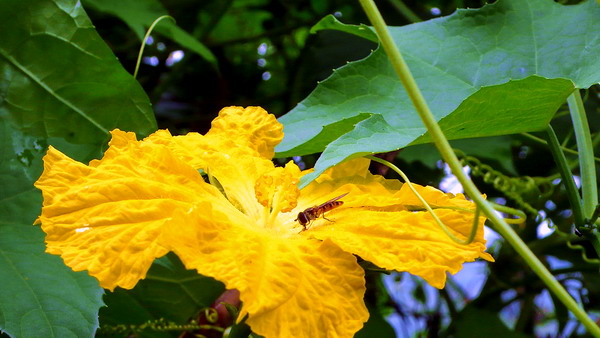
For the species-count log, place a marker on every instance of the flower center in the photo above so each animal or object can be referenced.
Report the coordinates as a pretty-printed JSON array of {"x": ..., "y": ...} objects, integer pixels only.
[{"x": 277, "y": 191}]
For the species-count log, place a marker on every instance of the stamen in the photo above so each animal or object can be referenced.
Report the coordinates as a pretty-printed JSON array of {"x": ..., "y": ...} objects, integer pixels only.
[{"x": 277, "y": 191}]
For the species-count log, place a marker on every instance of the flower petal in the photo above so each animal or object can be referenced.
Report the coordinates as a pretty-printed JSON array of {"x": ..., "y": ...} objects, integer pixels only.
[
  {"x": 237, "y": 131},
  {"x": 238, "y": 176},
  {"x": 253, "y": 127},
  {"x": 107, "y": 217},
  {"x": 383, "y": 222},
  {"x": 290, "y": 288},
  {"x": 406, "y": 241},
  {"x": 193, "y": 148},
  {"x": 351, "y": 178}
]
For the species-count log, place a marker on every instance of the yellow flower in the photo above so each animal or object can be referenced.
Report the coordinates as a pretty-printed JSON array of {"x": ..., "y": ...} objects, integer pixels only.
[{"x": 143, "y": 199}]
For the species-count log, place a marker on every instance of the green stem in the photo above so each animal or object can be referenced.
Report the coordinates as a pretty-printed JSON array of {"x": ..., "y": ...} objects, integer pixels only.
[
  {"x": 448, "y": 155},
  {"x": 141, "y": 52},
  {"x": 527, "y": 306},
  {"x": 589, "y": 189},
  {"x": 586, "y": 154},
  {"x": 567, "y": 177},
  {"x": 562, "y": 146},
  {"x": 405, "y": 11}
]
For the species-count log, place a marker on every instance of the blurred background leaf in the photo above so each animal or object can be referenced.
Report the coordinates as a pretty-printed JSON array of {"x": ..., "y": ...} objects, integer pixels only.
[{"x": 139, "y": 15}]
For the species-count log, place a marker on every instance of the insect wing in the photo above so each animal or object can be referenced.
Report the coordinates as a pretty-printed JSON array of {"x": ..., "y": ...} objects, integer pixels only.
[{"x": 331, "y": 200}]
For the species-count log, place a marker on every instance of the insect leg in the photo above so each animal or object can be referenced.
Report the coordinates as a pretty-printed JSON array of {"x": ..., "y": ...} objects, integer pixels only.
[{"x": 325, "y": 218}]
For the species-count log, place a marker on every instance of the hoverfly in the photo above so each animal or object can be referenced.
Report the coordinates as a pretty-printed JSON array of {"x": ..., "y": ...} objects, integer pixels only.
[{"x": 310, "y": 214}]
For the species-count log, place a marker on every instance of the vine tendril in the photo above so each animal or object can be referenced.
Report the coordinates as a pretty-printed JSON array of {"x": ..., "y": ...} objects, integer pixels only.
[
  {"x": 157, "y": 325},
  {"x": 512, "y": 187}
]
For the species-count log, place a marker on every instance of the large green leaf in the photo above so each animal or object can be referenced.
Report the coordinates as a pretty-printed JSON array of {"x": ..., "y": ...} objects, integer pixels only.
[
  {"x": 61, "y": 85},
  {"x": 331, "y": 22},
  {"x": 40, "y": 296},
  {"x": 20, "y": 165},
  {"x": 139, "y": 15},
  {"x": 502, "y": 69},
  {"x": 58, "y": 77}
]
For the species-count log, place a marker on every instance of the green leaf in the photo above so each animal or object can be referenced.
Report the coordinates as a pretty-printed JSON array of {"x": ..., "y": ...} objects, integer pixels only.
[
  {"x": 60, "y": 85},
  {"x": 40, "y": 296},
  {"x": 331, "y": 22},
  {"x": 20, "y": 166},
  {"x": 140, "y": 14},
  {"x": 502, "y": 69},
  {"x": 242, "y": 20},
  {"x": 169, "y": 291},
  {"x": 59, "y": 79},
  {"x": 52, "y": 301},
  {"x": 477, "y": 322}
]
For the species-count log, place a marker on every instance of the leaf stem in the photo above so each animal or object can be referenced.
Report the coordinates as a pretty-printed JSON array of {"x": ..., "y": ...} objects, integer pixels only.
[
  {"x": 589, "y": 188},
  {"x": 572, "y": 193},
  {"x": 562, "y": 146},
  {"x": 567, "y": 177},
  {"x": 405, "y": 11},
  {"x": 449, "y": 156}
]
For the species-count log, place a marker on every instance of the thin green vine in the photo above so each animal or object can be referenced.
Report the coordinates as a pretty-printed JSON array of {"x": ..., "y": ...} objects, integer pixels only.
[
  {"x": 141, "y": 52},
  {"x": 448, "y": 155},
  {"x": 521, "y": 217},
  {"x": 578, "y": 247},
  {"x": 439, "y": 222}
]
